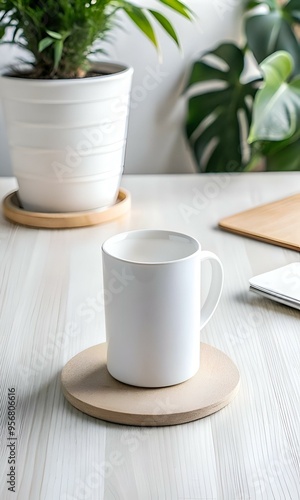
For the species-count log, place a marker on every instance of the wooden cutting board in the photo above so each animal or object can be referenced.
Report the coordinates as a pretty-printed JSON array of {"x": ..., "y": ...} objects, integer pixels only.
[{"x": 277, "y": 223}]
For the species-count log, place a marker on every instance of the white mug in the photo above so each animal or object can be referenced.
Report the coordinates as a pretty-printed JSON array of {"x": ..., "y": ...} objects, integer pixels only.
[{"x": 152, "y": 305}]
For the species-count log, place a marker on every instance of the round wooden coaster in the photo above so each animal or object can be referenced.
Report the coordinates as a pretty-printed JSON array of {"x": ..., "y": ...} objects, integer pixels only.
[
  {"x": 89, "y": 387},
  {"x": 15, "y": 213}
]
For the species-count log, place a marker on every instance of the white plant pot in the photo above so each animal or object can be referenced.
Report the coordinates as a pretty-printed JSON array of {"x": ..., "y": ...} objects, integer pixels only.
[{"x": 67, "y": 138}]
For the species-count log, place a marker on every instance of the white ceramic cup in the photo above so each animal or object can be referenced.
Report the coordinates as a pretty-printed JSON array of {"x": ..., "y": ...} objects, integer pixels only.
[{"x": 152, "y": 305}]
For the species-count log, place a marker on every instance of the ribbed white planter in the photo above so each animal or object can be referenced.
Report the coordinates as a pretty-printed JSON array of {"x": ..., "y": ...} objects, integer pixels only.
[{"x": 67, "y": 138}]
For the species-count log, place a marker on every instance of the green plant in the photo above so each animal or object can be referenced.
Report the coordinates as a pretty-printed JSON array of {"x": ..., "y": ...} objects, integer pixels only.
[
  {"x": 240, "y": 123},
  {"x": 61, "y": 34}
]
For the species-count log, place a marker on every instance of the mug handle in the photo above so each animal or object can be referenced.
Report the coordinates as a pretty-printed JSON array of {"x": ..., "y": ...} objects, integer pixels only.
[{"x": 216, "y": 287}]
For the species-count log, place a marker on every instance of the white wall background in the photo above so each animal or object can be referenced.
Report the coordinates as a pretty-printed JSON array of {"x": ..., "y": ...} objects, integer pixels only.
[{"x": 155, "y": 139}]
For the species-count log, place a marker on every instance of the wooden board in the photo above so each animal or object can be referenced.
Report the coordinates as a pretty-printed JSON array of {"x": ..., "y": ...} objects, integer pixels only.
[
  {"x": 15, "y": 213},
  {"x": 277, "y": 223},
  {"x": 89, "y": 387}
]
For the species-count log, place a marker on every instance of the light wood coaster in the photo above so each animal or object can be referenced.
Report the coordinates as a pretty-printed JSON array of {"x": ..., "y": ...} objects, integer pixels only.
[
  {"x": 277, "y": 223},
  {"x": 89, "y": 387},
  {"x": 15, "y": 213}
]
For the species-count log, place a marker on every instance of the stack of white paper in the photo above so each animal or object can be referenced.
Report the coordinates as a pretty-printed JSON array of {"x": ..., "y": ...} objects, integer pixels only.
[{"x": 282, "y": 285}]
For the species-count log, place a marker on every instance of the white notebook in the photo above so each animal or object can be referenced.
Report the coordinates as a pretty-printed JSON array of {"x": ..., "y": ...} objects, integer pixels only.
[{"x": 282, "y": 285}]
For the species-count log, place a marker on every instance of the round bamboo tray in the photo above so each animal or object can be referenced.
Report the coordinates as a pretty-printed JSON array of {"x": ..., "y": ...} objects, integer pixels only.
[{"x": 13, "y": 211}]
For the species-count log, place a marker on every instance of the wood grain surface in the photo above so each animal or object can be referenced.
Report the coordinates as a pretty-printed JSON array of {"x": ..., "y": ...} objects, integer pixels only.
[
  {"x": 51, "y": 308},
  {"x": 277, "y": 223}
]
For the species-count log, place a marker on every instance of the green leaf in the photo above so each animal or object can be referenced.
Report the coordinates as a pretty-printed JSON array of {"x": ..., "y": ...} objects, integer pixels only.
[
  {"x": 178, "y": 7},
  {"x": 276, "y": 111},
  {"x": 2, "y": 31},
  {"x": 292, "y": 10},
  {"x": 277, "y": 68},
  {"x": 269, "y": 32},
  {"x": 46, "y": 42},
  {"x": 202, "y": 71},
  {"x": 272, "y": 4},
  {"x": 58, "y": 49},
  {"x": 141, "y": 21},
  {"x": 286, "y": 158},
  {"x": 80, "y": 26},
  {"x": 252, "y": 4},
  {"x": 163, "y": 21},
  {"x": 53, "y": 34},
  {"x": 214, "y": 127}
]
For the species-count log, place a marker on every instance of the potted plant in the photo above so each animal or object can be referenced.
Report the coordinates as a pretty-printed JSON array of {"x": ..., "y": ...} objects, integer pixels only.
[
  {"x": 67, "y": 117},
  {"x": 239, "y": 122}
]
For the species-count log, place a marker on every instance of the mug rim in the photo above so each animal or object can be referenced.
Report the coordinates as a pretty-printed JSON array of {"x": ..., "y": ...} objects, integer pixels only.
[{"x": 122, "y": 236}]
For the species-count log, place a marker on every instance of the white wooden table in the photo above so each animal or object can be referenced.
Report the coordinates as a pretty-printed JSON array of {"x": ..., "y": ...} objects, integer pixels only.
[{"x": 51, "y": 309}]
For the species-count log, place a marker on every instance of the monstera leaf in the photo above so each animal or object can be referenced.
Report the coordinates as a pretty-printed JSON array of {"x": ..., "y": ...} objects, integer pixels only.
[
  {"x": 276, "y": 111},
  {"x": 276, "y": 114},
  {"x": 219, "y": 112},
  {"x": 285, "y": 157},
  {"x": 271, "y": 29}
]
